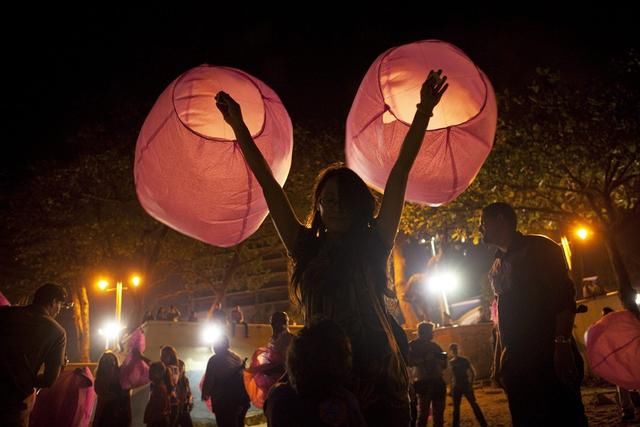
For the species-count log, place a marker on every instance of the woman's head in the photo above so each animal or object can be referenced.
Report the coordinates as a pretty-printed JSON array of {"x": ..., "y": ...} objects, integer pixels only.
[
  {"x": 341, "y": 201},
  {"x": 169, "y": 356},
  {"x": 157, "y": 372},
  {"x": 107, "y": 365}
]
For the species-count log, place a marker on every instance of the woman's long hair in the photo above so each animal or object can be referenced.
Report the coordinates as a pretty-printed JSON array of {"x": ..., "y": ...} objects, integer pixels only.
[
  {"x": 169, "y": 355},
  {"x": 102, "y": 372},
  {"x": 359, "y": 200}
]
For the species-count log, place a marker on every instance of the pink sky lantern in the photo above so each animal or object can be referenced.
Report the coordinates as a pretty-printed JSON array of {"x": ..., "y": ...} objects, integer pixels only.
[
  {"x": 189, "y": 172},
  {"x": 3, "y": 300},
  {"x": 613, "y": 348},
  {"x": 460, "y": 133}
]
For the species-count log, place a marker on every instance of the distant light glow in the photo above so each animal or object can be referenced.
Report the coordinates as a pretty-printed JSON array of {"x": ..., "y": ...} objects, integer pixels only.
[
  {"x": 582, "y": 233},
  {"x": 103, "y": 284},
  {"x": 135, "y": 281},
  {"x": 211, "y": 333},
  {"x": 111, "y": 330},
  {"x": 443, "y": 281}
]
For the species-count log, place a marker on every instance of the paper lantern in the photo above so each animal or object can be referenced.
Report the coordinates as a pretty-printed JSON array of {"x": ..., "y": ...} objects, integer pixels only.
[
  {"x": 460, "y": 133},
  {"x": 68, "y": 402},
  {"x": 3, "y": 300},
  {"x": 189, "y": 172},
  {"x": 613, "y": 348},
  {"x": 134, "y": 371},
  {"x": 256, "y": 383}
]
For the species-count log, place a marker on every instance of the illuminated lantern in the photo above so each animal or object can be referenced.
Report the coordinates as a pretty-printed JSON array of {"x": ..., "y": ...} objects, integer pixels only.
[
  {"x": 257, "y": 383},
  {"x": 189, "y": 172},
  {"x": 460, "y": 133},
  {"x": 68, "y": 402},
  {"x": 613, "y": 348},
  {"x": 134, "y": 371}
]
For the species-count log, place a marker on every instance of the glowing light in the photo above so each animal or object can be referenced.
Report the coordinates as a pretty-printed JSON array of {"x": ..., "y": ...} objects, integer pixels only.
[
  {"x": 582, "y": 233},
  {"x": 211, "y": 333},
  {"x": 111, "y": 330},
  {"x": 444, "y": 281}
]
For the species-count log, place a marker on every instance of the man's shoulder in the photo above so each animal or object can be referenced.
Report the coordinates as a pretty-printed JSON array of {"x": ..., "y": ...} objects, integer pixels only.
[
  {"x": 414, "y": 342},
  {"x": 540, "y": 241},
  {"x": 32, "y": 316},
  {"x": 461, "y": 361},
  {"x": 53, "y": 324},
  {"x": 434, "y": 346}
]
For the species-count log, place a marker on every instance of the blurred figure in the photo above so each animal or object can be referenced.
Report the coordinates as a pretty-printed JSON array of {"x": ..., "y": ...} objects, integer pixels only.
[
  {"x": 114, "y": 403},
  {"x": 174, "y": 314},
  {"x": 462, "y": 385},
  {"x": 223, "y": 384},
  {"x": 147, "y": 316},
  {"x": 268, "y": 363},
  {"x": 157, "y": 413},
  {"x": 161, "y": 314},
  {"x": 428, "y": 362},
  {"x": 237, "y": 318},
  {"x": 319, "y": 366},
  {"x": 185, "y": 399},
  {"x": 169, "y": 357}
]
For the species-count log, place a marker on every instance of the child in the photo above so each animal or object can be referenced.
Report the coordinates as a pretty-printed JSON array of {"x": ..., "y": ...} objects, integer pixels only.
[
  {"x": 114, "y": 403},
  {"x": 185, "y": 399},
  {"x": 157, "y": 412}
]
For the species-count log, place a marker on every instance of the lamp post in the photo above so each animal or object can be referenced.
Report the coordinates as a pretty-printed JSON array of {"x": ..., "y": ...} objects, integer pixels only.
[
  {"x": 574, "y": 258},
  {"x": 112, "y": 330}
]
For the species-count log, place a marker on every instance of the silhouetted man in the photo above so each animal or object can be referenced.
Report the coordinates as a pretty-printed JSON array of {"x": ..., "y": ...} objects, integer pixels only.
[
  {"x": 538, "y": 365},
  {"x": 428, "y": 362},
  {"x": 223, "y": 384},
  {"x": 30, "y": 337},
  {"x": 462, "y": 385}
]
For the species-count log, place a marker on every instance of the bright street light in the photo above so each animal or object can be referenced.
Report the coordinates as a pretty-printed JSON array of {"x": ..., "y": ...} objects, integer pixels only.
[
  {"x": 111, "y": 332},
  {"x": 582, "y": 233},
  {"x": 103, "y": 284},
  {"x": 443, "y": 281},
  {"x": 211, "y": 333},
  {"x": 135, "y": 281}
]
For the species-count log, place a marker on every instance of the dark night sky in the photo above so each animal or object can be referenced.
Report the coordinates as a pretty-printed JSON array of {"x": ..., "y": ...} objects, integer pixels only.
[{"x": 81, "y": 69}]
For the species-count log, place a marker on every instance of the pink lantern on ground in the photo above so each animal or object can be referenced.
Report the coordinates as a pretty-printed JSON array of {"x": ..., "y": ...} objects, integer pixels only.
[
  {"x": 189, "y": 172},
  {"x": 3, "y": 300},
  {"x": 460, "y": 133},
  {"x": 613, "y": 348}
]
